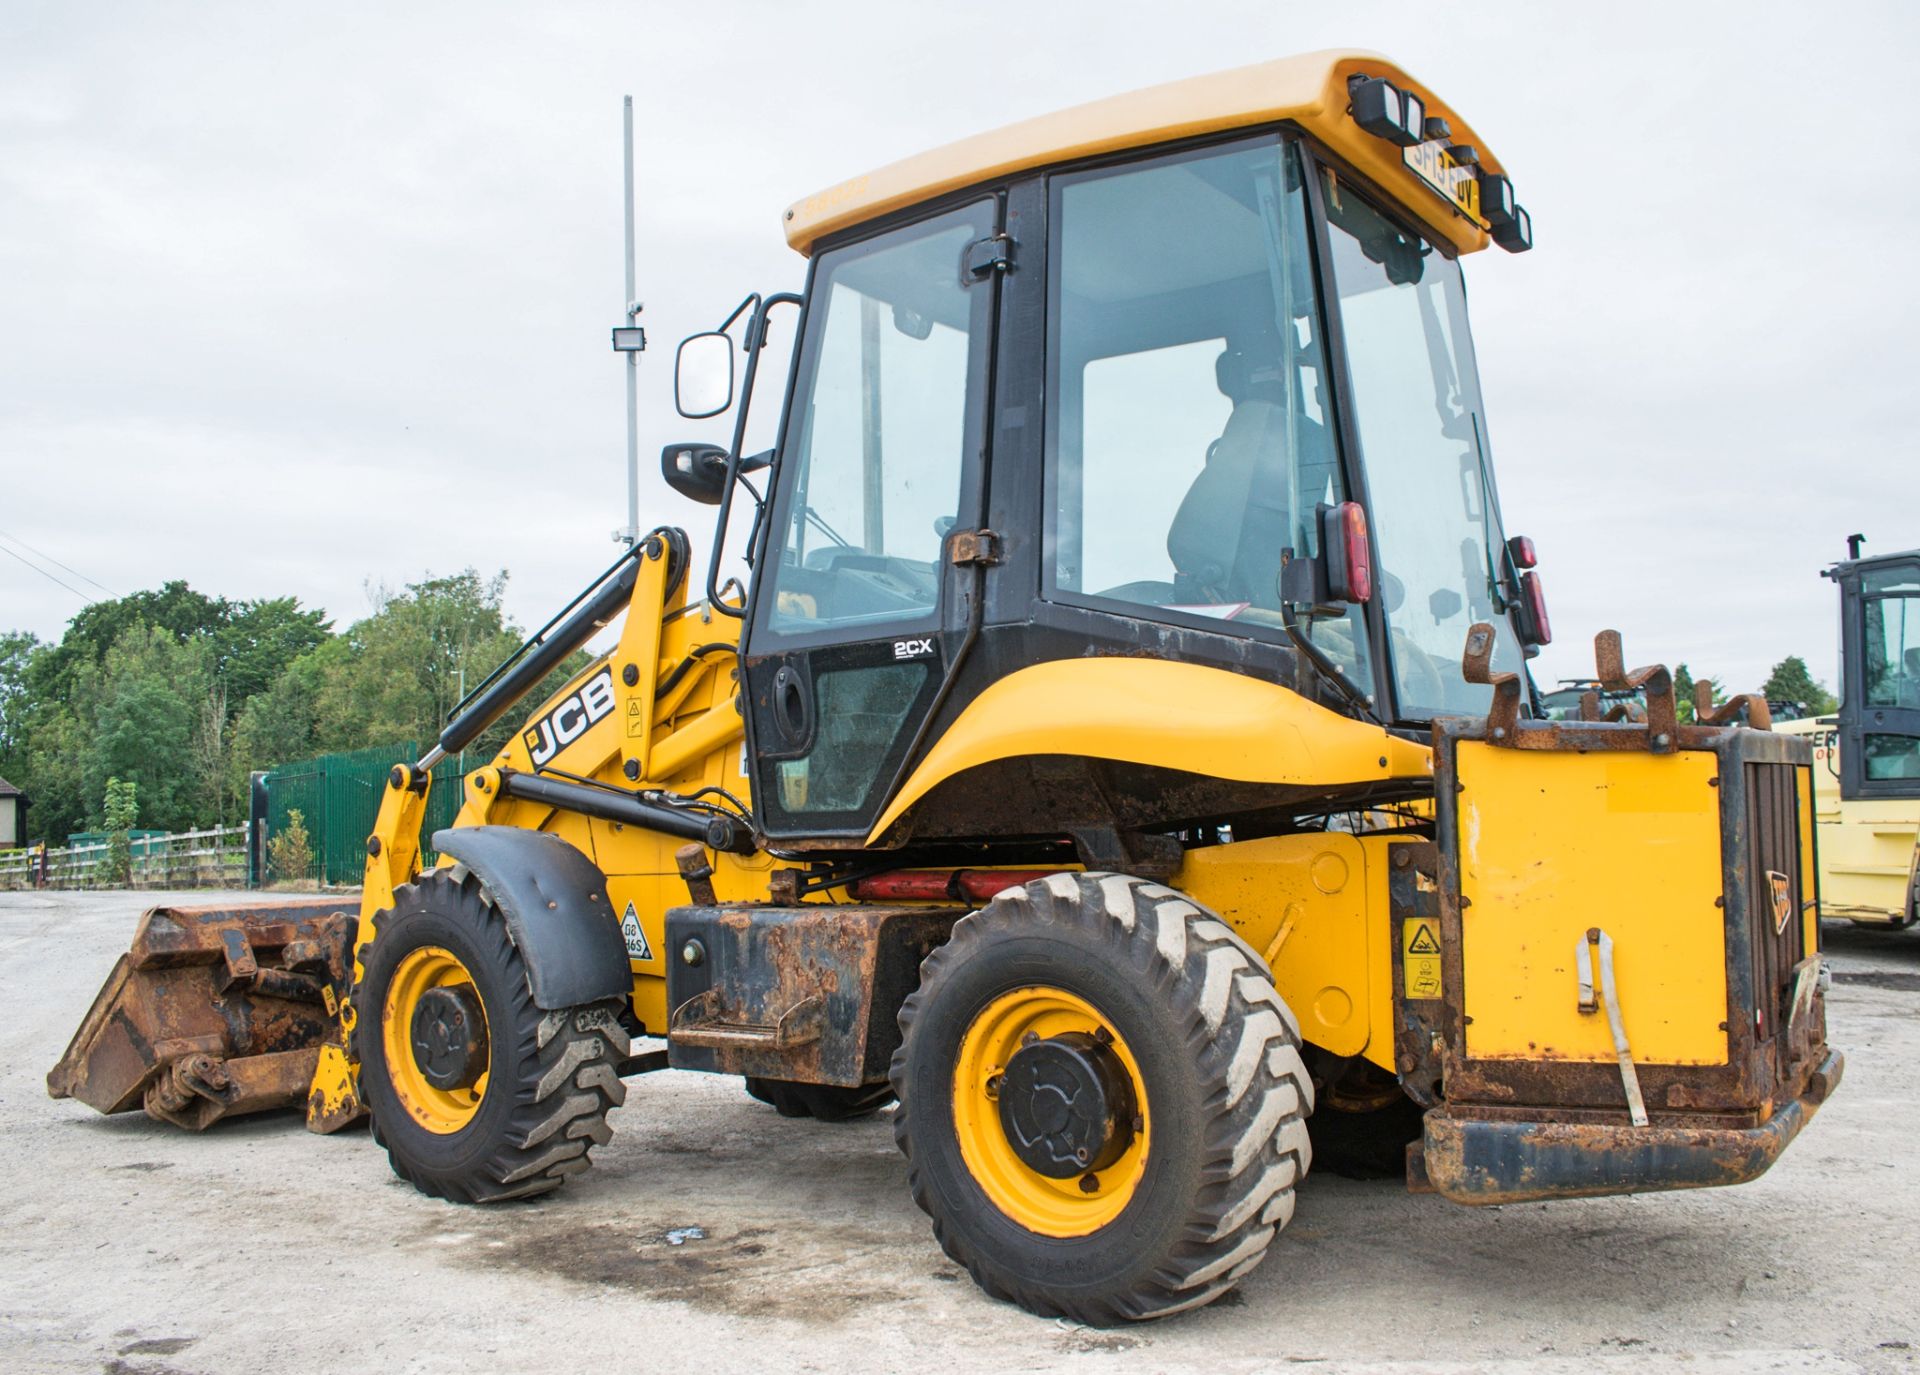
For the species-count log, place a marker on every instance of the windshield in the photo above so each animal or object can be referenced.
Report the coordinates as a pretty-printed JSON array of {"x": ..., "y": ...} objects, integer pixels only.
[
  {"x": 1416, "y": 399},
  {"x": 1190, "y": 445}
]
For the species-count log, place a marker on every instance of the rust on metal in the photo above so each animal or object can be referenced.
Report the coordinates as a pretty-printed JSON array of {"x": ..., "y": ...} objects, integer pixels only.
[
  {"x": 805, "y": 993},
  {"x": 1742, "y": 709},
  {"x": 1476, "y": 665},
  {"x": 213, "y": 1012},
  {"x": 1476, "y": 1156},
  {"x": 1654, "y": 683}
]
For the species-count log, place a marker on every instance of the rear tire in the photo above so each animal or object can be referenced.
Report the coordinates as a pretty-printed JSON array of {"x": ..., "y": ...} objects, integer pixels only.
[
  {"x": 822, "y": 1102},
  {"x": 1218, "y": 1098},
  {"x": 550, "y": 1077}
]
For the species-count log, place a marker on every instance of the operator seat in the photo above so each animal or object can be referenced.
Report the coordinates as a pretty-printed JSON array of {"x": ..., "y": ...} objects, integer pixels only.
[{"x": 1226, "y": 537}]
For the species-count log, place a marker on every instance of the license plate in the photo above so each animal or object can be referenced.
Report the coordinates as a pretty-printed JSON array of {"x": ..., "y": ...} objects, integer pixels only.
[{"x": 1454, "y": 181}]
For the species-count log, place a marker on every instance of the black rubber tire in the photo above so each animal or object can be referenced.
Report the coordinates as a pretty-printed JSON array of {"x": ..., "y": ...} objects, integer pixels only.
[
  {"x": 1227, "y": 1092},
  {"x": 823, "y": 1102},
  {"x": 552, "y": 1075}
]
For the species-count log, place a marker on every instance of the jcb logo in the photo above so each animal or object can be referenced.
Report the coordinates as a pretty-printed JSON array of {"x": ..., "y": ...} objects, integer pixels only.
[
  {"x": 912, "y": 649},
  {"x": 566, "y": 723}
]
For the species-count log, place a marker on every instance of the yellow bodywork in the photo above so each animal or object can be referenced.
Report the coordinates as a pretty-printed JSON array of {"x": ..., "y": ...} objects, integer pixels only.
[
  {"x": 1315, "y": 907},
  {"x": 1868, "y": 847},
  {"x": 1171, "y": 715},
  {"x": 1309, "y": 90},
  {"x": 1541, "y": 840}
]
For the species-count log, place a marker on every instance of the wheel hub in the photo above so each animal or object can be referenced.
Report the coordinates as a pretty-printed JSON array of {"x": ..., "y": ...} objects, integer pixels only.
[
  {"x": 1066, "y": 1105},
  {"x": 449, "y": 1037}
]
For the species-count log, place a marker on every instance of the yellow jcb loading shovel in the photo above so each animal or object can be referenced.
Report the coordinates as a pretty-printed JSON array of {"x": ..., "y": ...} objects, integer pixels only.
[{"x": 1089, "y": 766}]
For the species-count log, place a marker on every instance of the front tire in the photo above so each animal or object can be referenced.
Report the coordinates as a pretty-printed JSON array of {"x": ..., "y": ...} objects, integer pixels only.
[
  {"x": 1102, "y": 1100},
  {"x": 476, "y": 1094}
]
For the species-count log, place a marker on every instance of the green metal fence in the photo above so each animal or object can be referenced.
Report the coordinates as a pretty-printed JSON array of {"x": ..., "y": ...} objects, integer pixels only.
[{"x": 338, "y": 798}]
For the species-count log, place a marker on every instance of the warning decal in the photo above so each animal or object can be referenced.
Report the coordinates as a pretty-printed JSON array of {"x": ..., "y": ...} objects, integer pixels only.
[
  {"x": 637, "y": 947},
  {"x": 1420, "y": 956}
]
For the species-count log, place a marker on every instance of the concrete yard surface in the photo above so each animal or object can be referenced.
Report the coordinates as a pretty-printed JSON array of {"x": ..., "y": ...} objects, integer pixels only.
[{"x": 714, "y": 1235}]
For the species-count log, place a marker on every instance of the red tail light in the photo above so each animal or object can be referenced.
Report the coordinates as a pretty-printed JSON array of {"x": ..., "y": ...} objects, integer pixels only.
[
  {"x": 1520, "y": 550},
  {"x": 1350, "y": 565},
  {"x": 1539, "y": 627}
]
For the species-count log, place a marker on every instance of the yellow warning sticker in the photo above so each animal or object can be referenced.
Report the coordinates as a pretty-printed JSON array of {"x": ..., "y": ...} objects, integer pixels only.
[
  {"x": 636, "y": 723},
  {"x": 1420, "y": 956}
]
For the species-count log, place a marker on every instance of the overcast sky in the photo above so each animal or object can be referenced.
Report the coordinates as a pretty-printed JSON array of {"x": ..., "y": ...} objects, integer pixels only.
[{"x": 298, "y": 298}]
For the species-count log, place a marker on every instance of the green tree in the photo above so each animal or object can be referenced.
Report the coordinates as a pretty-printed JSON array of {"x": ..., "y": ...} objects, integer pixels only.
[
  {"x": 142, "y": 703},
  {"x": 17, "y": 649},
  {"x": 175, "y": 608},
  {"x": 121, "y": 808},
  {"x": 256, "y": 641},
  {"x": 1792, "y": 681},
  {"x": 276, "y": 726},
  {"x": 397, "y": 674}
]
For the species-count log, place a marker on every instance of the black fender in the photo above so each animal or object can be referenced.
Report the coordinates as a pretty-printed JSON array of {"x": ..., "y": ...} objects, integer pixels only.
[{"x": 556, "y": 907}]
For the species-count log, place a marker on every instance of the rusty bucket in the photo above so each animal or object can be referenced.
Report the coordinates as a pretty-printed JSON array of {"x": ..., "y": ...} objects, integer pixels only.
[{"x": 214, "y": 1012}]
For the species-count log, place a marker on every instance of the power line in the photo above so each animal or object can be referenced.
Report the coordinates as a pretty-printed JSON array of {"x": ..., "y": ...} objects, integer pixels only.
[
  {"x": 56, "y": 563},
  {"x": 45, "y": 574}
]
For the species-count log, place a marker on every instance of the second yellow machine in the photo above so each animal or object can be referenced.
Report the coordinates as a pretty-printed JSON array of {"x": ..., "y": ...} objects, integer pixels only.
[{"x": 1121, "y": 754}]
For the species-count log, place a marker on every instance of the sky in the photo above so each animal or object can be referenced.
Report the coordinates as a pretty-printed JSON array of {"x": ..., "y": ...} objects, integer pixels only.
[{"x": 310, "y": 300}]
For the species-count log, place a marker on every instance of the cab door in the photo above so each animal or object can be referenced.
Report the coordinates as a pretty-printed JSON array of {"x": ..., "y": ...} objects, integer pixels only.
[
  {"x": 1880, "y": 706},
  {"x": 855, "y": 606}
]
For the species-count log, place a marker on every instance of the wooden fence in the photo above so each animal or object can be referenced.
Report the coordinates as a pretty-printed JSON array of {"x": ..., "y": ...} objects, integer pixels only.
[{"x": 213, "y": 858}]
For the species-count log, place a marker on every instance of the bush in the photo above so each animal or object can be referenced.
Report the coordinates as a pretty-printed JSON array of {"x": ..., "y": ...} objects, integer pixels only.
[
  {"x": 290, "y": 849},
  {"x": 122, "y": 809}
]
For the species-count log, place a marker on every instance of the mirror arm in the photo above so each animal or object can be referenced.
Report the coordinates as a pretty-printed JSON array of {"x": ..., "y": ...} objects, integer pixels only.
[{"x": 755, "y": 342}]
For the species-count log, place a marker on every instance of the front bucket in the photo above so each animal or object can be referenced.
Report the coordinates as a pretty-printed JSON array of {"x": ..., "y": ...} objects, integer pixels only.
[{"x": 213, "y": 1012}]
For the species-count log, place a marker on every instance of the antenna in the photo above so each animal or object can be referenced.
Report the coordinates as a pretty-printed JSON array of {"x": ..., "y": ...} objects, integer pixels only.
[{"x": 631, "y": 340}]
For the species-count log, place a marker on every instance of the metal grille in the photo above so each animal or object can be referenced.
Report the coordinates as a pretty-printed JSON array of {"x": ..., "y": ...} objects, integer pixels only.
[{"x": 1773, "y": 848}]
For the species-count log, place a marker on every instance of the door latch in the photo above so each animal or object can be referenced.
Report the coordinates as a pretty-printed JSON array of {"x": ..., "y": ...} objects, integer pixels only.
[
  {"x": 984, "y": 257},
  {"x": 973, "y": 546}
]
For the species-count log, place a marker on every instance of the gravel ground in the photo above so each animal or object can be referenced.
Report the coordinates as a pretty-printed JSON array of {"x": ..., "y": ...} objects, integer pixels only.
[{"x": 715, "y": 1235}]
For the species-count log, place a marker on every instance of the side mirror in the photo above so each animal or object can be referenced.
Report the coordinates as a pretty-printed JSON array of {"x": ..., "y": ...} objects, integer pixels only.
[
  {"x": 697, "y": 472},
  {"x": 703, "y": 375}
]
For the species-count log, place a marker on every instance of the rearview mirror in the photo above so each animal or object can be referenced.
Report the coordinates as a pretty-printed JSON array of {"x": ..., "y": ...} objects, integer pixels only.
[{"x": 703, "y": 375}]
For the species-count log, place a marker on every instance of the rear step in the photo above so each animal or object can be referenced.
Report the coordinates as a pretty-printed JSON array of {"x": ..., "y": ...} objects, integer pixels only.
[{"x": 214, "y": 1012}]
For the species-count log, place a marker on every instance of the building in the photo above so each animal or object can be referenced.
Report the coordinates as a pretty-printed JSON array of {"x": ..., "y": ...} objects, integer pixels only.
[{"x": 13, "y": 816}]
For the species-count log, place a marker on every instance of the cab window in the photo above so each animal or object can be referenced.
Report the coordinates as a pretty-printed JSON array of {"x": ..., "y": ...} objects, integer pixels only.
[
  {"x": 1189, "y": 442},
  {"x": 894, "y": 340}
]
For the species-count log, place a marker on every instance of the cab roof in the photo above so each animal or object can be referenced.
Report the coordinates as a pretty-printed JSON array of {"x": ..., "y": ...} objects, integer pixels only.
[{"x": 1310, "y": 90}]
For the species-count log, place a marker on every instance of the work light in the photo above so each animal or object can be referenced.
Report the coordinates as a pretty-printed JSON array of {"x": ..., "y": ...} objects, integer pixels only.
[
  {"x": 1386, "y": 111},
  {"x": 1516, "y": 235}
]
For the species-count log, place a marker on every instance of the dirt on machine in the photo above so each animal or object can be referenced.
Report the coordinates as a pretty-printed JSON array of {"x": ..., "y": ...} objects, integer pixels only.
[{"x": 1120, "y": 763}]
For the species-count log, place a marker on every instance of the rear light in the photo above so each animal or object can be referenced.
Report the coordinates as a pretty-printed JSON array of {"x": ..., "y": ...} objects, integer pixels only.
[
  {"x": 1533, "y": 602},
  {"x": 1520, "y": 550},
  {"x": 1349, "y": 561}
]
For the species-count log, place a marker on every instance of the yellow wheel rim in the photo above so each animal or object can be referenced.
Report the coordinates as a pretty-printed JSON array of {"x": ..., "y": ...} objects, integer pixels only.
[
  {"x": 1040, "y": 1203},
  {"x": 442, "y": 1111}
]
